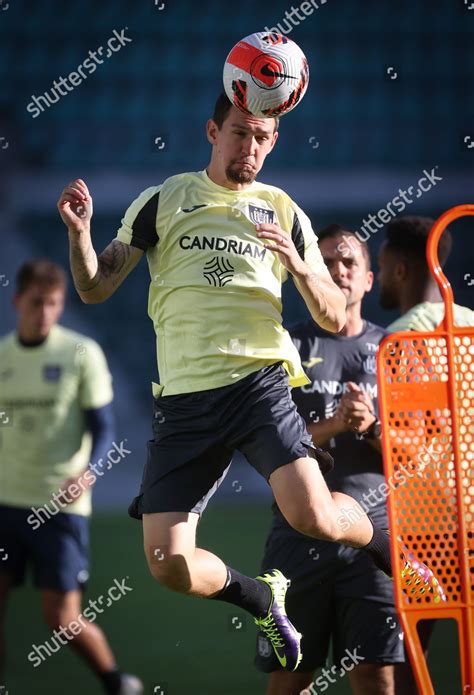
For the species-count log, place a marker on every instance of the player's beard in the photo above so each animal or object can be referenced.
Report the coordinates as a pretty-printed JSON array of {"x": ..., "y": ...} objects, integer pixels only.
[
  {"x": 240, "y": 175},
  {"x": 388, "y": 300}
]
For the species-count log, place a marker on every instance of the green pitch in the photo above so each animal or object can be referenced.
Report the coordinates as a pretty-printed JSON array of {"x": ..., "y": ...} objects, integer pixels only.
[{"x": 177, "y": 645}]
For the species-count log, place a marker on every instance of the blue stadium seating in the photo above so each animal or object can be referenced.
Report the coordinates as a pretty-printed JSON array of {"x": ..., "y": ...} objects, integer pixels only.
[{"x": 168, "y": 78}]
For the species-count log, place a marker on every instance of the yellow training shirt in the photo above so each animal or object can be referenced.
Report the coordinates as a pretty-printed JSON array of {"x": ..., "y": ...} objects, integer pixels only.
[
  {"x": 43, "y": 392},
  {"x": 215, "y": 292},
  {"x": 428, "y": 315}
]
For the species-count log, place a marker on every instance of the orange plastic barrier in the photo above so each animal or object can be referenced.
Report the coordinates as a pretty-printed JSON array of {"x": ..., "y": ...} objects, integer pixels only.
[{"x": 426, "y": 396}]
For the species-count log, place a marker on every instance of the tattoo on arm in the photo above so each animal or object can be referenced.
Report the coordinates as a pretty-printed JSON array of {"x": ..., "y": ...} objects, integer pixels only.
[
  {"x": 82, "y": 263},
  {"x": 111, "y": 266},
  {"x": 114, "y": 260}
]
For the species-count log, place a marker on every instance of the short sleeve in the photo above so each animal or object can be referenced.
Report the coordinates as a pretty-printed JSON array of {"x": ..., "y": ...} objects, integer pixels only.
[
  {"x": 306, "y": 241},
  {"x": 95, "y": 389},
  {"x": 139, "y": 223}
]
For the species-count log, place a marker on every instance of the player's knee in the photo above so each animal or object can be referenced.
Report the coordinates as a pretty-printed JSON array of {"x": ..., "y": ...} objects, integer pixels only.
[
  {"x": 55, "y": 617},
  {"x": 173, "y": 572},
  {"x": 319, "y": 524}
]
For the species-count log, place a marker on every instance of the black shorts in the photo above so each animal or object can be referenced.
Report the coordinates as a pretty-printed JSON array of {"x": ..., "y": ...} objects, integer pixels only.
[
  {"x": 57, "y": 550},
  {"x": 337, "y": 594},
  {"x": 196, "y": 435}
]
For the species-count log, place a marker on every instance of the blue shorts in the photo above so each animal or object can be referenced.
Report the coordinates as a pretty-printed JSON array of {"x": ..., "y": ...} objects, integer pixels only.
[
  {"x": 336, "y": 595},
  {"x": 57, "y": 551},
  {"x": 196, "y": 435}
]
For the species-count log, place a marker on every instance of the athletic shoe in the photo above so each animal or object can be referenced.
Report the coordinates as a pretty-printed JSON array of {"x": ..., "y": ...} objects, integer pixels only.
[
  {"x": 276, "y": 626},
  {"x": 417, "y": 578},
  {"x": 131, "y": 685}
]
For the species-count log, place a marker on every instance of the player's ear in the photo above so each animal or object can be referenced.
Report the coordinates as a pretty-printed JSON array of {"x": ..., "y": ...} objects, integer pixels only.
[
  {"x": 211, "y": 131},
  {"x": 400, "y": 271},
  {"x": 369, "y": 281},
  {"x": 274, "y": 139}
]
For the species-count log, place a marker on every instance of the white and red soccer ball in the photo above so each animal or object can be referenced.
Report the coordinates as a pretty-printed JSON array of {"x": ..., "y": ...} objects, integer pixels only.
[{"x": 266, "y": 74}]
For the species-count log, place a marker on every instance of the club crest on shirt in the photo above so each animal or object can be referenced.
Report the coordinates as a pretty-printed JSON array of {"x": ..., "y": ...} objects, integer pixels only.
[
  {"x": 261, "y": 215},
  {"x": 369, "y": 365},
  {"x": 51, "y": 372}
]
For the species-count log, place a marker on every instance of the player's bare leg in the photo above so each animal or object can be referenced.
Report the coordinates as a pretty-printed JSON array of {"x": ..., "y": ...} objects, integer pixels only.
[
  {"x": 309, "y": 507},
  {"x": 170, "y": 549},
  {"x": 284, "y": 683},
  {"x": 60, "y": 609},
  {"x": 372, "y": 679},
  {"x": 307, "y": 504},
  {"x": 174, "y": 560},
  {"x": 6, "y": 584}
]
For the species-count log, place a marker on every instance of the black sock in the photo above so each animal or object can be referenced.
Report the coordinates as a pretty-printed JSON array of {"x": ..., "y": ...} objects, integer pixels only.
[
  {"x": 112, "y": 681},
  {"x": 379, "y": 550},
  {"x": 250, "y": 594}
]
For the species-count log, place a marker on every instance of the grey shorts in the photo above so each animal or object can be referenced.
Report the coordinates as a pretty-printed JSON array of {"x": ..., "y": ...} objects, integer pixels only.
[{"x": 196, "y": 435}]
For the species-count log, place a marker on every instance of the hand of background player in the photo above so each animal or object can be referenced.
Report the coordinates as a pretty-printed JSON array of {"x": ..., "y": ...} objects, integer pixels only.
[
  {"x": 283, "y": 245},
  {"x": 75, "y": 206},
  {"x": 356, "y": 409}
]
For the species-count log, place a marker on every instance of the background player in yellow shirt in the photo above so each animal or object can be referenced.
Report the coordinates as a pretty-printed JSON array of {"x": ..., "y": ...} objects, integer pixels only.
[
  {"x": 56, "y": 416},
  {"x": 219, "y": 244}
]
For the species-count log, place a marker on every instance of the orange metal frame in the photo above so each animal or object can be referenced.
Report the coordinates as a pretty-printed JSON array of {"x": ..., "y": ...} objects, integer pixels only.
[{"x": 426, "y": 396}]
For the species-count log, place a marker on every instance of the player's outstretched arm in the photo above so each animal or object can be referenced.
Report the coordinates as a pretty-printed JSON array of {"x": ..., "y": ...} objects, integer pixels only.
[
  {"x": 325, "y": 301},
  {"x": 95, "y": 277}
]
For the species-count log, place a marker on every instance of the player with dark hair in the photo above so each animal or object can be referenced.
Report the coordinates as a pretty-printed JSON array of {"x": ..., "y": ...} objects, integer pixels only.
[
  {"x": 219, "y": 246},
  {"x": 405, "y": 279},
  {"x": 336, "y": 593},
  {"x": 56, "y": 416},
  {"x": 222, "y": 108}
]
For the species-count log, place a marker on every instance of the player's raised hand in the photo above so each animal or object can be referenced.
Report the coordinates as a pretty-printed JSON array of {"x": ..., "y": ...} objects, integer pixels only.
[{"x": 75, "y": 206}]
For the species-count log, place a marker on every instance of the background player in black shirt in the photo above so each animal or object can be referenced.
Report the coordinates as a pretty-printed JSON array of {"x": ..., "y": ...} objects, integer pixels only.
[{"x": 336, "y": 592}]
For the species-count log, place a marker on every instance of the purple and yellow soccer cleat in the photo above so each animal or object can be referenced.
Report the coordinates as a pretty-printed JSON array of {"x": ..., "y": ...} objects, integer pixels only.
[
  {"x": 417, "y": 578},
  {"x": 276, "y": 625}
]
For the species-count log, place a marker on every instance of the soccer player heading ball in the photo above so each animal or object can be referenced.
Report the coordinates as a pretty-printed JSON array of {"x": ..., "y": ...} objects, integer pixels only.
[{"x": 219, "y": 246}]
